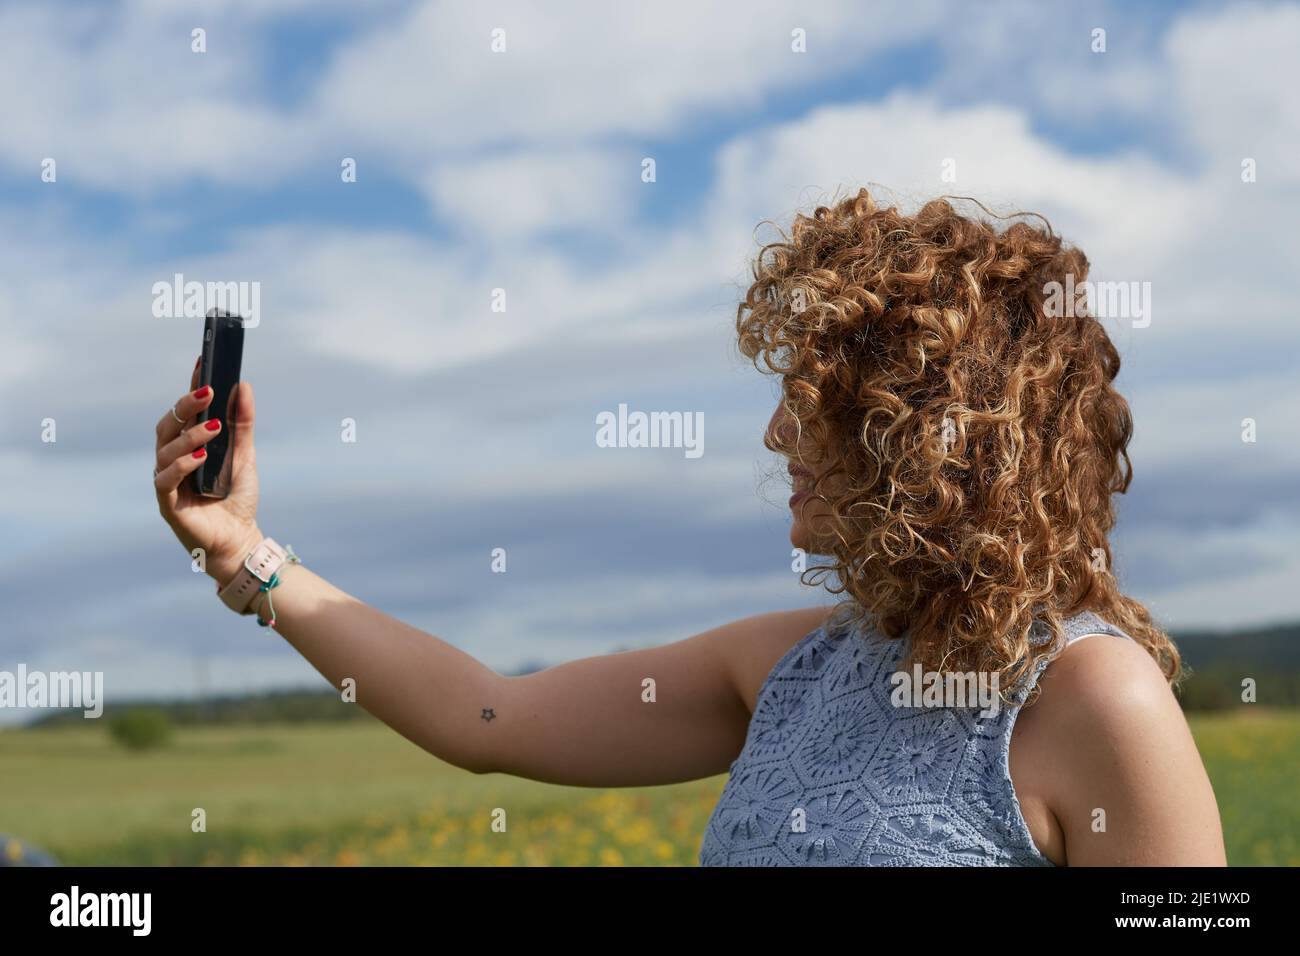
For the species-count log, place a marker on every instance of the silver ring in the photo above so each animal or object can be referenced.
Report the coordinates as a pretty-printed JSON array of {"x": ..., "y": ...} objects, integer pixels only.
[{"x": 177, "y": 417}]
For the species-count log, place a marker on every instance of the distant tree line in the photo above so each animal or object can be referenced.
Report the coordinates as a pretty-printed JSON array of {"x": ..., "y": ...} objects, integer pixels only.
[
  {"x": 1221, "y": 662},
  {"x": 1218, "y": 663},
  {"x": 281, "y": 706}
]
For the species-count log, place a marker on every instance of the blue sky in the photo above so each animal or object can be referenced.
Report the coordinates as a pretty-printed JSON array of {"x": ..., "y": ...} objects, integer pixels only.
[{"x": 521, "y": 170}]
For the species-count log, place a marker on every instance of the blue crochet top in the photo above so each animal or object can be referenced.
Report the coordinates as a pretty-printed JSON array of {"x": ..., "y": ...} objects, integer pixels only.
[{"x": 834, "y": 774}]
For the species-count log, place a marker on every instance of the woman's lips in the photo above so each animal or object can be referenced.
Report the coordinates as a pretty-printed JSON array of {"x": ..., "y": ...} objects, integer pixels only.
[{"x": 800, "y": 477}]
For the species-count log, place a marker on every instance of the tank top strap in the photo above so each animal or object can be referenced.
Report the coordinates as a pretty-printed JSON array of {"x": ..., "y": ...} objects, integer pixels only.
[
  {"x": 1074, "y": 628},
  {"x": 1087, "y": 623},
  {"x": 994, "y": 745}
]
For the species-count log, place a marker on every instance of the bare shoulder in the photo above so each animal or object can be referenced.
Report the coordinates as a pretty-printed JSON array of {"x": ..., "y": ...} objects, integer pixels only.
[
  {"x": 1107, "y": 682},
  {"x": 1126, "y": 782},
  {"x": 751, "y": 646}
]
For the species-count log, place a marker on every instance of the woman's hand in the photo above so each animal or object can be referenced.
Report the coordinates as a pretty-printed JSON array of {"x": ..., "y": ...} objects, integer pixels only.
[{"x": 225, "y": 528}]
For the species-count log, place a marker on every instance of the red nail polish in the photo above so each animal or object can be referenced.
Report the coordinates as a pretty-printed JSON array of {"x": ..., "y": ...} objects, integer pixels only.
[
  {"x": 200, "y": 452},
  {"x": 212, "y": 424},
  {"x": 203, "y": 392}
]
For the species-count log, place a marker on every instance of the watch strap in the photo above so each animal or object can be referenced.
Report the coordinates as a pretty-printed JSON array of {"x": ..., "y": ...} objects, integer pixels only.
[{"x": 262, "y": 562}]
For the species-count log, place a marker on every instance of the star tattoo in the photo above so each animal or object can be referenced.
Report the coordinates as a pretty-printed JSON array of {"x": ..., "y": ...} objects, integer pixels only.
[{"x": 488, "y": 714}]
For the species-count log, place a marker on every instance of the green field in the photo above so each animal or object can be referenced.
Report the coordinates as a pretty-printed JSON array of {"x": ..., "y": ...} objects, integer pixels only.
[{"x": 358, "y": 794}]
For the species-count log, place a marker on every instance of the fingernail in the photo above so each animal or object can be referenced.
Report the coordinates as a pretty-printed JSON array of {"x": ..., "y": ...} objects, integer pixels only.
[
  {"x": 203, "y": 392},
  {"x": 212, "y": 424},
  {"x": 200, "y": 452}
]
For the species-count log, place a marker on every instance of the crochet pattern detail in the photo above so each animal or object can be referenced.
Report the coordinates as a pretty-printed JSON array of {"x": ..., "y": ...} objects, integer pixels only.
[{"x": 833, "y": 774}]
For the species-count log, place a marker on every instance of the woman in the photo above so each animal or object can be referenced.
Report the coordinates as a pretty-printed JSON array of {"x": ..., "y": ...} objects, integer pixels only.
[{"x": 953, "y": 439}]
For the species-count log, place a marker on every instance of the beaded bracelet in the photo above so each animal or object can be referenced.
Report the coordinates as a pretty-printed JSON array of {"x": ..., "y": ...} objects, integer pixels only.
[{"x": 274, "y": 582}]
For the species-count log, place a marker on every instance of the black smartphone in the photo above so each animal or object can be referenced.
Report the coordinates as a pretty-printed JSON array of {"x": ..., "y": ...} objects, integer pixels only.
[{"x": 223, "y": 351}]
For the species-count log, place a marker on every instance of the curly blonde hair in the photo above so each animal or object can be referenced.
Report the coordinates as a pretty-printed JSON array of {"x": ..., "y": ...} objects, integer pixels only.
[{"x": 973, "y": 438}]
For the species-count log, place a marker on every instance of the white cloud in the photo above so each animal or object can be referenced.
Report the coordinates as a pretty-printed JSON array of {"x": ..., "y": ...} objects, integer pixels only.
[
  {"x": 121, "y": 103},
  {"x": 1124, "y": 204},
  {"x": 118, "y": 98},
  {"x": 526, "y": 193},
  {"x": 431, "y": 82},
  {"x": 1236, "y": 73}
]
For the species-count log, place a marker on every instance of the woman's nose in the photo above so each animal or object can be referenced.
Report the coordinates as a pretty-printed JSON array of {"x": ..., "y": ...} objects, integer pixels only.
[{"x": 780, "y": 430}]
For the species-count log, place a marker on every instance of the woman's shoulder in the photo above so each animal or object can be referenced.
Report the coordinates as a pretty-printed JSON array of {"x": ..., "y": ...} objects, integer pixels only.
[
  {"x": 1108, "y": 725},
  {"x": 758, "y": 644},
  {"x": 1107, "y": 679},
  {"x": 1102, "y": 678}
]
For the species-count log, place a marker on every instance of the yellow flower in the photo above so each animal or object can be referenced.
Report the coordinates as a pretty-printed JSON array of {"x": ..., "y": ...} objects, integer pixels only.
[
  {"x": 610, "y": 857},
  {"x": 534, "y": 856},
  {"x": 639, "y": 832}
]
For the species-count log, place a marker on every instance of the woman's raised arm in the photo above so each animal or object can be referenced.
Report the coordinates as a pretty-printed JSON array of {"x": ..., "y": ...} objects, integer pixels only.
[{"x": 654, "y": 716}]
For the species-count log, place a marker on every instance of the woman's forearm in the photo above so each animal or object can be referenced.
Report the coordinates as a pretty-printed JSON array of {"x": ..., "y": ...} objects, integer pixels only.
[
  {"x": 590, "y": 722},
  {"x": 424, "y": 688}
]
